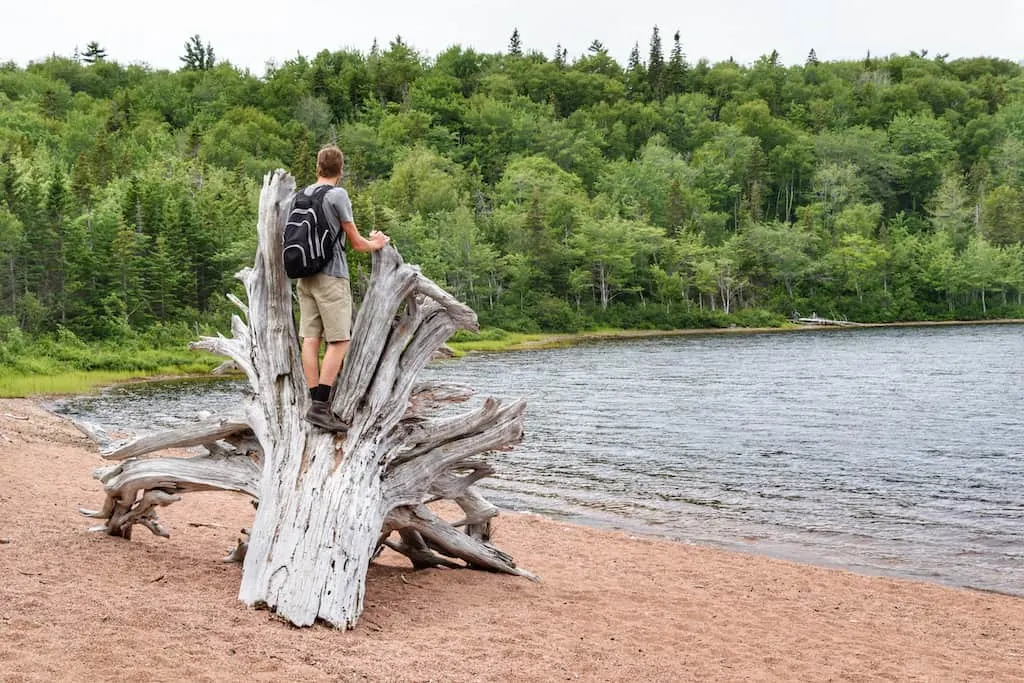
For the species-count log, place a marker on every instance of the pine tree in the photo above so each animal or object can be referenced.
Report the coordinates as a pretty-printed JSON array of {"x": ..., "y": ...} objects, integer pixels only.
[
  {"x": 812, "y": 58},
  {"x": 514, "y": 45},
  {"x": 675, "y": 71},
  {"x": 82, "y": 179},
  {"x": 159, "y": 279},
  {"x": 54, "y": 253},
  {"x": 634, "y": 58},
  {"x": 596, "y": 48},
  {"x": 656, "y": 65},
  {"x": 128, "y": 251},
  {"x": 559, "y": 55},
  {"x": 636, "y": 75},
  {"x": 198, "y": 57},
  {"x": 303, "y": 164},
  {"x": 373, "y": 69},
  {"x": 11, "y": 235},
  {"x": 93, "y": 53}
]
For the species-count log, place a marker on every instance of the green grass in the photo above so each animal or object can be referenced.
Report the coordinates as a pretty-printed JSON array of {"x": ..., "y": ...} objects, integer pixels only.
[
  {"x": 16, "y": 385},
  {"x": 54, "y": 368},
  {"x": 499, "y": 340},
  {"x": 487, "y": 341}
]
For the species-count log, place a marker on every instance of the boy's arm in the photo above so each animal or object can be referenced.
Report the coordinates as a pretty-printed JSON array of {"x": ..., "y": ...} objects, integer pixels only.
[{"x": 378, "y": 240}]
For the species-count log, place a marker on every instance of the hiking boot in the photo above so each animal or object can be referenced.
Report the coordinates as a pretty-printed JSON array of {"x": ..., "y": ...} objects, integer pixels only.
[{"x": 320, "y": 415}]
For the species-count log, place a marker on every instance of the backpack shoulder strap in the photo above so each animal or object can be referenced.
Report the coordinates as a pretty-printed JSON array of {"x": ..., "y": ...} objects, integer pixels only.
[
  {"x": 316, "y": 201},
  {"x": 321, "y": 191},
  {"x": 319, "y": 194}
]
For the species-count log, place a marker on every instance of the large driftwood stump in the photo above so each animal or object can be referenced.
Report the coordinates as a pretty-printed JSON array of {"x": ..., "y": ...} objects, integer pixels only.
[{"x": 327, "y": 503}]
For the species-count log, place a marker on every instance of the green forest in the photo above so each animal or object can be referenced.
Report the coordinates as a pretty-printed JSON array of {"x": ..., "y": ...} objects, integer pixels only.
[{"x": 549, "y": 193}]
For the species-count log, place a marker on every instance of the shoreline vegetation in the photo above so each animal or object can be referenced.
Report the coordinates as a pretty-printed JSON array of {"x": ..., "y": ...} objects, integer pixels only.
[
  {"x": 565, "y": 194},
  {"x": 69, "y": 369},
  {"x": 532, "y": 342}
]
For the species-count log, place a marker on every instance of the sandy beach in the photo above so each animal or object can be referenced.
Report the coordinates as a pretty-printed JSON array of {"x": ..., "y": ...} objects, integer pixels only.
[{"x": 77, "y": 606}]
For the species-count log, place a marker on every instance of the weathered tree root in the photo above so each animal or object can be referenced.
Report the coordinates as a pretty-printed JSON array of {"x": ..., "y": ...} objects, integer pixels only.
[
  {"x": 328, "y": 503},
  {"x": 136, "y": 486}
]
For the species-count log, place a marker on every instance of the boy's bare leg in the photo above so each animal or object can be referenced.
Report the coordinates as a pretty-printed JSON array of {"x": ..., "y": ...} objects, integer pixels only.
[
  {"x": 334, "y": 357},
  {"x": 322, "y": 382},
  {"x": 311, "y": 361}
]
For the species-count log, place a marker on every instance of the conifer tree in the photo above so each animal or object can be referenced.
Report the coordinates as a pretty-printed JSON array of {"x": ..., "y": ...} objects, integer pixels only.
[
  {"x": 198, "y": 57},
  {"x": 656, "y": 65},
  {"x": 303, "y": 163},
  {"x": 515, "y": 47},
  {"x": 636, "y": 75},
  {"x": 54, "y": 256},
  {"x": 93, "y": 53},
  {"x": 675, "y": 70},
  {"x": 11, "y": 234}
]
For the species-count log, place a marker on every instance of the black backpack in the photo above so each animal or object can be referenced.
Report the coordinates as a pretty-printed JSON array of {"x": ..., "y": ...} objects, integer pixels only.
[{"x": 308, "y": 242}]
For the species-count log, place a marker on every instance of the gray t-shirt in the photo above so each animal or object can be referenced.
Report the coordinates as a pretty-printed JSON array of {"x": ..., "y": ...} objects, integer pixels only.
[{"x": 337, "y": 209}]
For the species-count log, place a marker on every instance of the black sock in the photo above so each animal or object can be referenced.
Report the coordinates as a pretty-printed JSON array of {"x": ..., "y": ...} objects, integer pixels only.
[
  {"x": 322, "y": 392},
  {"x": 312, "y": 393}
]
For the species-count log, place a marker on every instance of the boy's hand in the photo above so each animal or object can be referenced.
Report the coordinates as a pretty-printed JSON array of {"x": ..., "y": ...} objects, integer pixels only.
[{"x": 379, "y": 239}]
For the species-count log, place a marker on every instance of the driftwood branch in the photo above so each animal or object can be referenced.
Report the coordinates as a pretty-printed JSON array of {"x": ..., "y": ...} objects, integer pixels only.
[{"x": 207, "y": 431}]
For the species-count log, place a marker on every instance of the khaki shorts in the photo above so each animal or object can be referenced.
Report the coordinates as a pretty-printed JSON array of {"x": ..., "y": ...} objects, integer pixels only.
[{"x": 325, "y": 308}]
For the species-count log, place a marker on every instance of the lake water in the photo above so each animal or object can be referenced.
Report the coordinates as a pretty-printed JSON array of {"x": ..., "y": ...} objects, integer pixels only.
[{"x": 895, "y": 451}]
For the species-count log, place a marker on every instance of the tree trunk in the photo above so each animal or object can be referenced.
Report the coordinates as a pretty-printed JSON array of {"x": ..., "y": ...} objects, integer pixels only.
[
  {"x": 326, "y": 502},
  {"x": 602, "y": 284}
]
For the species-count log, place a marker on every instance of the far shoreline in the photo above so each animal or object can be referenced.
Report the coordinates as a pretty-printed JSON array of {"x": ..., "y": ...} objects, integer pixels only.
[
  {"x": 515, "y": 342},
  {"x": 559, "y": 340}
]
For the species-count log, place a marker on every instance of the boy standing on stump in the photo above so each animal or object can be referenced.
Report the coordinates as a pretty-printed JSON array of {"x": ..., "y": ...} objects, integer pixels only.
[{"x": 325, "y": 298}]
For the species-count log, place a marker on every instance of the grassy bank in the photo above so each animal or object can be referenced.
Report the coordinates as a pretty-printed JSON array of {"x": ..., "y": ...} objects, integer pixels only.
[
  {"x": 70, "y": 366},
  {"x": 41, "y": 375},
  {"x": 47, "y": 369},
  {"x": 14, "y": 385}
]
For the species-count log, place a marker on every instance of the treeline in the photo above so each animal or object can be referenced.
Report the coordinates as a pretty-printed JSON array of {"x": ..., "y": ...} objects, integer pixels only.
[{"x": 549, "y": 193}]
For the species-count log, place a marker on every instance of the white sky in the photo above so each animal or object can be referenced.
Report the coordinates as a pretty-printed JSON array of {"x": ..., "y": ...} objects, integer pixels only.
[{"x": 248, "y": 34}]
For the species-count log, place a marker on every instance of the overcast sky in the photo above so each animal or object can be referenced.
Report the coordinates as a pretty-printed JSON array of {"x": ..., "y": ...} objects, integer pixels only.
[{"x": 249, "y": 34}]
